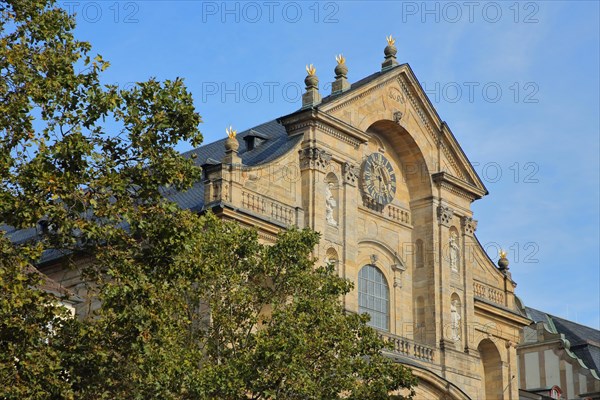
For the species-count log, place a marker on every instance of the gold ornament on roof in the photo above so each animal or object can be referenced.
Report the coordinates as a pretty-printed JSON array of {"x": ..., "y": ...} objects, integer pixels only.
[
  {"x": 231, "y": 132},
  {"x": 502, "y": 254},
  {"x": 340, "y": 59},
  {"x": 391, "y": 41},
  {"x": 311, "y": 70}
]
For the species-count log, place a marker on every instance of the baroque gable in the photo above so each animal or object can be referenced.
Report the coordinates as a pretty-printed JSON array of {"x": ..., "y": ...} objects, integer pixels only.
[{"x": 397, "y": 96}]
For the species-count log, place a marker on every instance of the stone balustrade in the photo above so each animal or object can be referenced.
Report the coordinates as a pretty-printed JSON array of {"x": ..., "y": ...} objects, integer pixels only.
[
  {"x": 398, "y": 214},
  {"x": 489, "y": 293},
  {"x": 253, "y": 202},
  {"x": 409, "y": 348},
  {"x": 263, "y": 205},
  {"x": 390, "y": 212},
  {"x": 282, "y": 213}
]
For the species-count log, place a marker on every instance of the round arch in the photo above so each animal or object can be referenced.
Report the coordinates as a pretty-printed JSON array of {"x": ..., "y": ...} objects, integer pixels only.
[
  {"x": 385, "y": 249},
  {"x": 433, "y": 386},
  {"x": 416, "y": 167},
  {"x": 491, "y": 369}
]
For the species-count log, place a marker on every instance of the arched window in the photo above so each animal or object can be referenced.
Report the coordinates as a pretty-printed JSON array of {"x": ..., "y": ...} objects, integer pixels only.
[{"x": 374, "y": 297}]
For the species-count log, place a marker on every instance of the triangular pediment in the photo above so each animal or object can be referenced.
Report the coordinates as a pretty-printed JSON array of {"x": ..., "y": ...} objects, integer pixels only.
[{"x": 396, "y": 95}]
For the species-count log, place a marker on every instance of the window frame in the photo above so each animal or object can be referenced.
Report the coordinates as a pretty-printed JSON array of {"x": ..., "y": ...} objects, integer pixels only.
[{"x": 377, "y": 303}]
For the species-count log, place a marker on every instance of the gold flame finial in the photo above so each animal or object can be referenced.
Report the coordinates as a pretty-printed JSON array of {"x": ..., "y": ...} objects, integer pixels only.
[
  {"x": 311, "y": 70},
  {"x": 502, "y": 253},
  {"x": 231, "y": 132},
  {"x": 340, "y": 59},
  {"x": 391, "y": 41}
]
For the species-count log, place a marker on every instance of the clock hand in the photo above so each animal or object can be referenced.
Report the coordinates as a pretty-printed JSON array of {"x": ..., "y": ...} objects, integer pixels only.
[
  {"x": 385, "y": 177},
  {"x": 377, "y": 174}
]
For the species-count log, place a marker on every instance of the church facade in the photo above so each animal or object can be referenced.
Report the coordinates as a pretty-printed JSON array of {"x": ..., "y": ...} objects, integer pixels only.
[{"x": 374, "y": 169}]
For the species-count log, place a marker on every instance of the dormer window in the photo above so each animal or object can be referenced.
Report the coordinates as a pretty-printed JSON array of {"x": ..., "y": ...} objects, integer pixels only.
[{"x": 254, "y": 139}]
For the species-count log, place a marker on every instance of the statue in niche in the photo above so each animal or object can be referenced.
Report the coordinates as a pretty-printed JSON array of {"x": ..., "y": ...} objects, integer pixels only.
[
  {"x": 454, "y": 252},
  {"x": 455, "y": 319},
  {"x": 330, "y": 204}
]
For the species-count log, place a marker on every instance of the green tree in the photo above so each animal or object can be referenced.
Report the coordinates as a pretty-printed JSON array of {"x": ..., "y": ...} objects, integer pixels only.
[
  {"x": 70, "y": 145},
  {"x": 190, "y": 306},
  {"x": 197, "y": 308}
]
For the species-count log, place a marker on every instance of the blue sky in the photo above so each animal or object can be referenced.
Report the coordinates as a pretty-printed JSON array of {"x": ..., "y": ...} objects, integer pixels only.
[{"x": 517, "y": 82}]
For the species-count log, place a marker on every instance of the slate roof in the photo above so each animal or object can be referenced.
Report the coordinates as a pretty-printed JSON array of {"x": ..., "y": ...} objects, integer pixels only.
[
  {"x": 19, "y": 236},
  {"x": 585, "y": 341},
  {"x": 276, "y": 143}
]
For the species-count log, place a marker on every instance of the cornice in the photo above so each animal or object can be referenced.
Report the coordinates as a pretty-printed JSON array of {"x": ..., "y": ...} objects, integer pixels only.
[
  {"x": 263, "y": 223},
  {"x": 458, "y": 153},
  {"x": 457, "y": 186},
  {"x": 501, "y": 312},
  {"x": 317, "y": 119}
]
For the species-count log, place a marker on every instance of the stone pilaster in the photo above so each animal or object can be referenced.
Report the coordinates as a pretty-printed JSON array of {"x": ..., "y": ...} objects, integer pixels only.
[
  {"x": 351, "y": 196},
  {"x": 468, "y": 226},
  {"x": 512, "y": 391},
  {"x": 313, "y": 167},
  {"x": 445, "y": 215}
]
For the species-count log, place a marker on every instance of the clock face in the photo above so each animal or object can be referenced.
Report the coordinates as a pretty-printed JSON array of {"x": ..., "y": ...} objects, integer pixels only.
[{"x": 378, "y": 179}]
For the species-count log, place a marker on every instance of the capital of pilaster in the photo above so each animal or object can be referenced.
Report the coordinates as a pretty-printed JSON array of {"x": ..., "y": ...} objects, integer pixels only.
[
  {"x": 445, "y": 215},
  {"x": 314, "y": 158},
  {"x": 350, "y": 172},
  {"x": 469, "y": 225}
]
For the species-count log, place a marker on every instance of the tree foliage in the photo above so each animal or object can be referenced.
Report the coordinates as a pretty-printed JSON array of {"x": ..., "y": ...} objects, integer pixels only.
[{"x": 191, "y": 307}]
